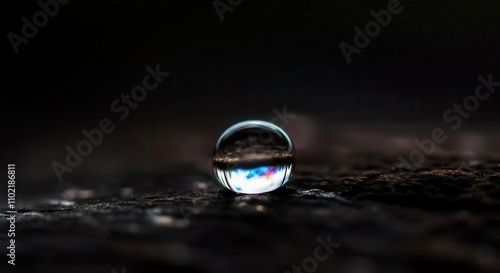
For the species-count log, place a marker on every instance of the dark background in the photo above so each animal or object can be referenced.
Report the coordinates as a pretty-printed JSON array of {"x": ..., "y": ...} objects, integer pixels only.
[{"x": 264, "y": 55}]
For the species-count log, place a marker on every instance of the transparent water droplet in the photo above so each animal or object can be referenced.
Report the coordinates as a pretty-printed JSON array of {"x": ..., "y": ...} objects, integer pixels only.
[{"x": 253, "y": 157}]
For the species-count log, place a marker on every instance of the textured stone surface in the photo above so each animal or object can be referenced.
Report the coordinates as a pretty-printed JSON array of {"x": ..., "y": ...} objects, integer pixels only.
[{"x": 439, "y": 218}]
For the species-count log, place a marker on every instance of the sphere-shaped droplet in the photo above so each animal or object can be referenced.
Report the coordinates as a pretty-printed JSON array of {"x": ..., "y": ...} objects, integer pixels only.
[{"x": 253, "y": 157}]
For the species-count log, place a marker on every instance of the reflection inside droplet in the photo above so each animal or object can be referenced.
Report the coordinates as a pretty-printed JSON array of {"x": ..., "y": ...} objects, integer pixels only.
[{"x": 253, "y": 157}]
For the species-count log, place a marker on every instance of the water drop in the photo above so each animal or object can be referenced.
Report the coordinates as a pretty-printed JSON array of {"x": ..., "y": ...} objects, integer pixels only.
[{"x": 253, "y": 157}]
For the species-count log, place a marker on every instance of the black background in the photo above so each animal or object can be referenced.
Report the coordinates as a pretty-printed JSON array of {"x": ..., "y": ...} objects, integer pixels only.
[{"x": 264, "y": 55}]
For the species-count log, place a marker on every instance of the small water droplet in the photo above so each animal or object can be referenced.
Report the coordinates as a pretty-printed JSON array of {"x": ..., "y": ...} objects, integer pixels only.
[{"x": 253, "y": 157}]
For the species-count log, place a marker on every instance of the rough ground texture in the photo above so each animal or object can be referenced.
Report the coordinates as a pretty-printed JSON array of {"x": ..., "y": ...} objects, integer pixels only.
[{"x": 438, "y": 218}]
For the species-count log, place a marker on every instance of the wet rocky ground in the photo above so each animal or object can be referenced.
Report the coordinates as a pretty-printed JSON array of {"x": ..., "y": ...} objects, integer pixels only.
[{"x": 372, "y": 216}]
